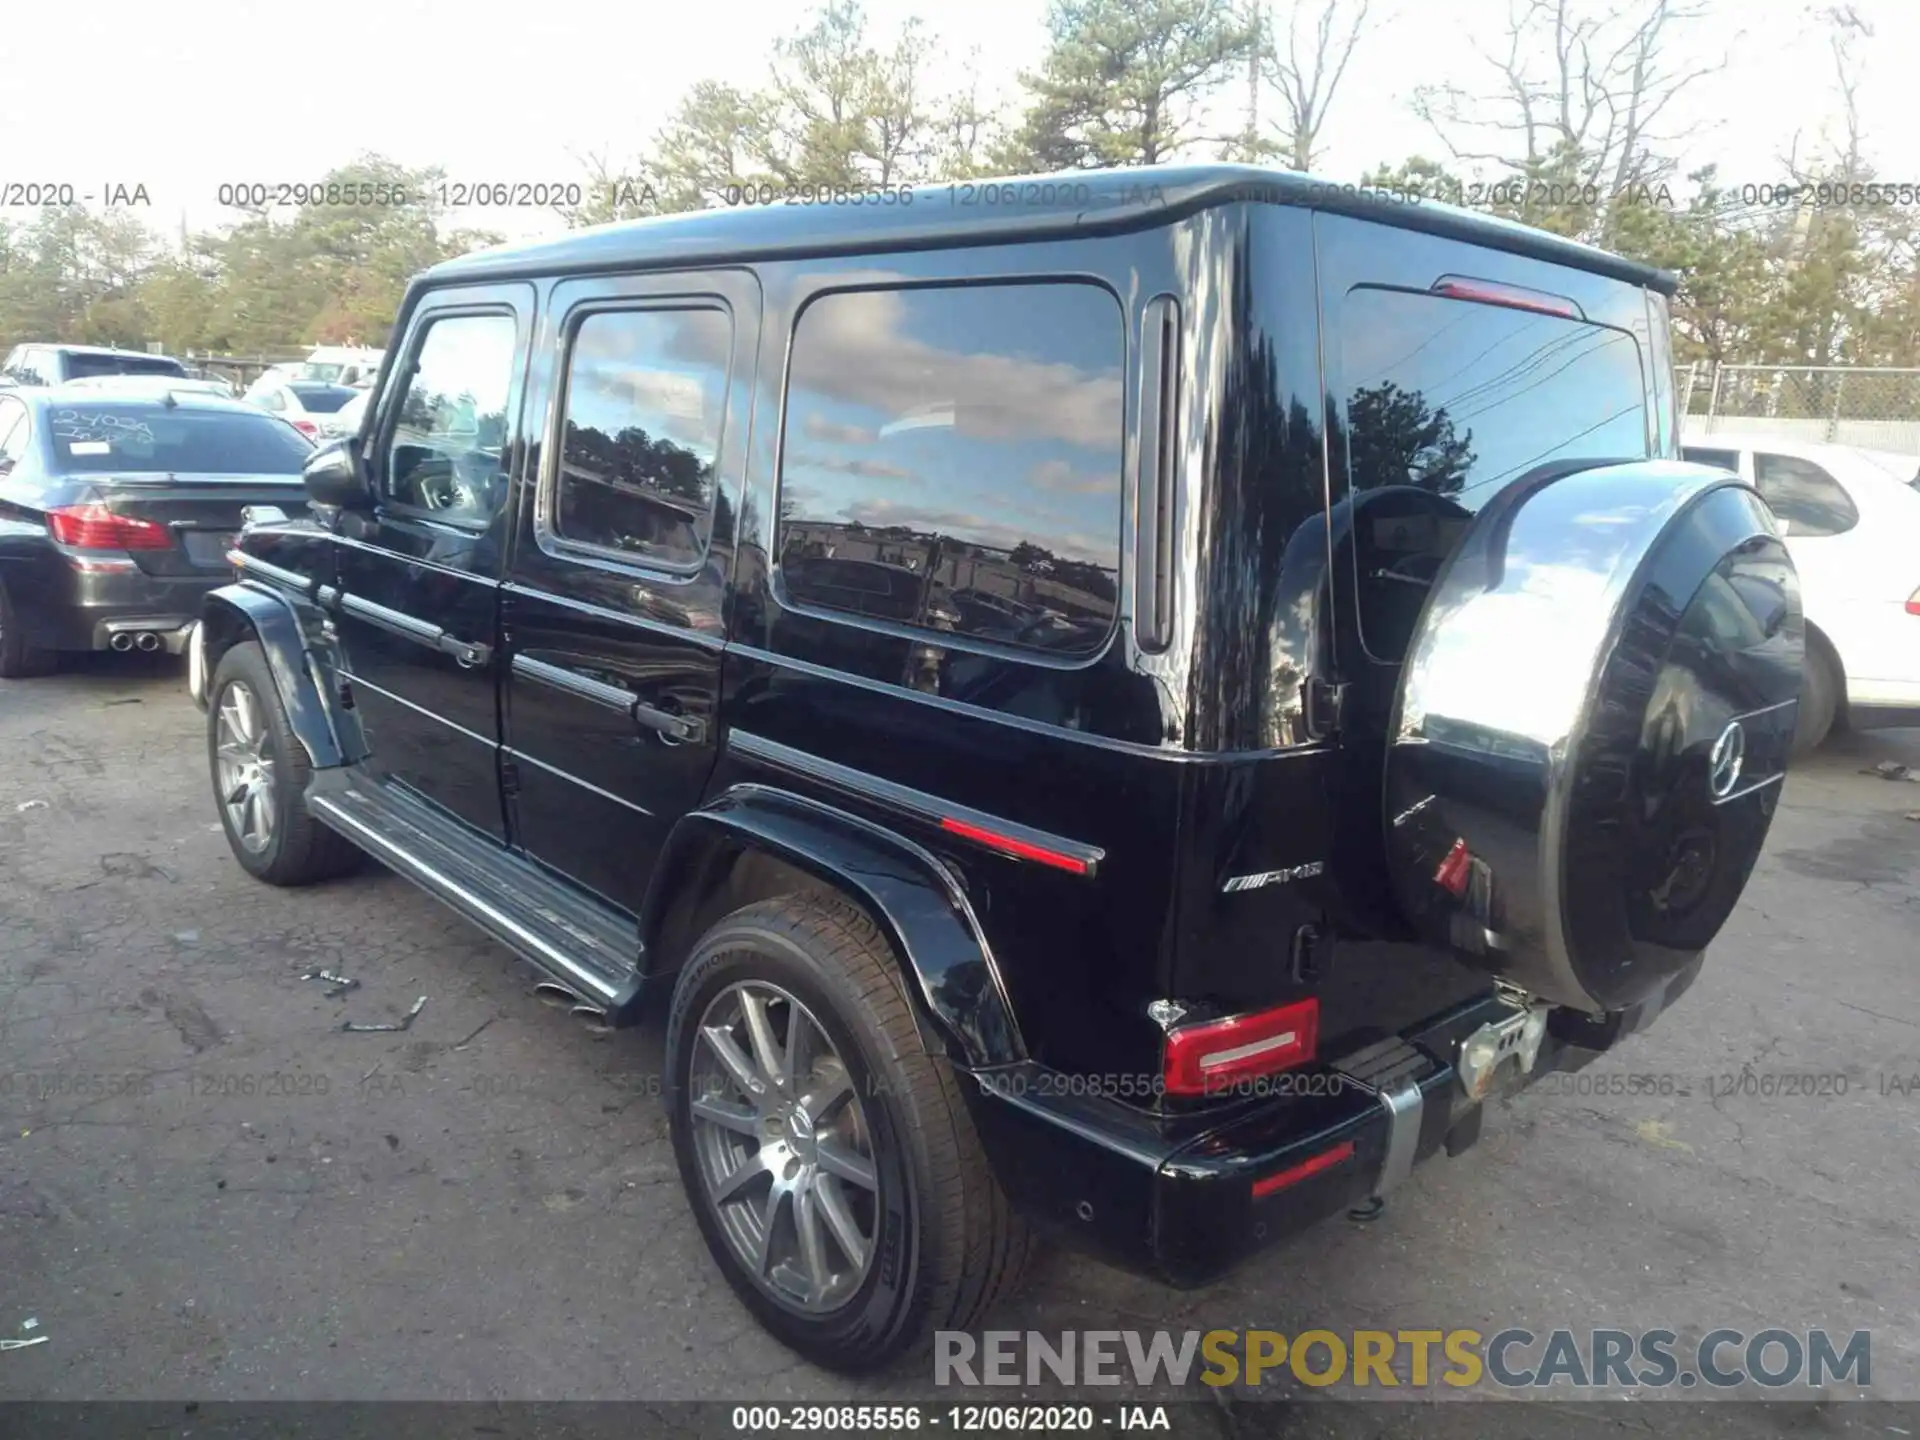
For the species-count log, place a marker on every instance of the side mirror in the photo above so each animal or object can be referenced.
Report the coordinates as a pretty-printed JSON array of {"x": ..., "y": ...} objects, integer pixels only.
[{"x": 335, "y": 476}]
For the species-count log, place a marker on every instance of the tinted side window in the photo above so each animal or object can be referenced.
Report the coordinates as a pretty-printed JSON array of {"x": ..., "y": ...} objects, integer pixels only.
[
  {"x": 1725, "y": 459},
  {"x": 1805, "y": 498},
  {"x": 951, "y": 458},
  {"x": 446, "y": 452},
  {"x": 1459, "y": 397},
  {"x": 646, "y": 394}
]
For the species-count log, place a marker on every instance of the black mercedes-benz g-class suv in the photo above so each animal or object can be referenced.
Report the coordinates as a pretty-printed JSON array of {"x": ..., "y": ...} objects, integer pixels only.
[{"x": 1127, "y": 712}]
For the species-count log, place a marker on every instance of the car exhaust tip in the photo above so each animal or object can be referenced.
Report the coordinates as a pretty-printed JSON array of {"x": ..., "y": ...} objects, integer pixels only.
[
  {"x": 122, "y": 642},
  {"x": 148, "y": 641},
  {"x": 556, "y": 997}
]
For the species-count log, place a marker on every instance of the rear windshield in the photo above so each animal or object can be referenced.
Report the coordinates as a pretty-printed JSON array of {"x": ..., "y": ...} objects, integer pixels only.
[
  {"x": 80, "y": 366},
  {"x": 321, "y": 399},
  {"x": 147, "y": 438},
  {"x": 1459, "y": 397}
]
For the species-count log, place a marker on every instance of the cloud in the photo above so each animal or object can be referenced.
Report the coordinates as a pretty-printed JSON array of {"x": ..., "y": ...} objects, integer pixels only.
[
  {"x": 819, "y": 427},
  {"x": 853, "y": 348},
  {"x": 865, "y": 469},
  {"x": 1060, "y": 478}
]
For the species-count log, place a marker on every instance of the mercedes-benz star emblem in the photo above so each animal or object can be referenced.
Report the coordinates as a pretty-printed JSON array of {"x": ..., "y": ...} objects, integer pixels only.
[{"x": 1723, "y": 766}]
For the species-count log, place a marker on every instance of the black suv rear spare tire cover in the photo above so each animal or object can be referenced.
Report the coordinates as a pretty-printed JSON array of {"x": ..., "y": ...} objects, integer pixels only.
[{"x": 1591, "y": 728}]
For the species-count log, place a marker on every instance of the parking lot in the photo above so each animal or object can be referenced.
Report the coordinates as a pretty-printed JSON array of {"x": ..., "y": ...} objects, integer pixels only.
[{"x": 208, "y": 1189}]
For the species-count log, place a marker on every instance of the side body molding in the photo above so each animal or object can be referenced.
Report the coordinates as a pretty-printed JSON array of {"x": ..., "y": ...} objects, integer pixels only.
[
  {"x": 950, "y": 971},
  {"x": 293, "y": 643}
]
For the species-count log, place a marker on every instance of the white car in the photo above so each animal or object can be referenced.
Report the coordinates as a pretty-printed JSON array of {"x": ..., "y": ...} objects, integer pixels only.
[
  {"x": 304, "y": 404},
  {"x": 346, "y": 420},
  {"x": 1851, "y": 519}
]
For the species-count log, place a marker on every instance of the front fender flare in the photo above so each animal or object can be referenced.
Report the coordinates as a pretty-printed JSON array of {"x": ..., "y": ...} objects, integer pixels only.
[
  {"x": 243, "y": 611},
  {"x": 947, "y": 964}
]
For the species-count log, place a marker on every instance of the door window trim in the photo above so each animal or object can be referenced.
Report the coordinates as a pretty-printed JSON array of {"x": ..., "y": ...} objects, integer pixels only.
[
  {"x": 424, "y": 319},
  {"x": 550, "y": 541}
]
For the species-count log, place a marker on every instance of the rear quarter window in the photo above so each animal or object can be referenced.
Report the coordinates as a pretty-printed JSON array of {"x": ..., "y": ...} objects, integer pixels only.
[
  {"x": 951, "y": 460},
  {"x": 1803, "y": 496}
]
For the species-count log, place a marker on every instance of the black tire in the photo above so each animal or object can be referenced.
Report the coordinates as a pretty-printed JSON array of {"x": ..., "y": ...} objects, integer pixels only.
[
  {"x": 947, "y": 1240},
  {"x": 296, "y": 848},
  {"x": 18, "y": 659},
  {"x": 1820, "y": 685}
]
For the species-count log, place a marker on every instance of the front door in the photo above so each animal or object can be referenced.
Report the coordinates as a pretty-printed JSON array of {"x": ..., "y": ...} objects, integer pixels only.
[
  {"x": 612, "y": 616},
  {"x": 419, "y": 577}
]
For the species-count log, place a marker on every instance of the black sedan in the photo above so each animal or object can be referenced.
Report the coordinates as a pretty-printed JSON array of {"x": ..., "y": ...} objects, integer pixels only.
[{"x": 117, "y": 508}]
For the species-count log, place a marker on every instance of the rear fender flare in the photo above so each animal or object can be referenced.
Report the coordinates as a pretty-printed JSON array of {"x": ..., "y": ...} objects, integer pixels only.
[
  {"x": 243, "y": 611},
  {"x": 948, "y": 968}
]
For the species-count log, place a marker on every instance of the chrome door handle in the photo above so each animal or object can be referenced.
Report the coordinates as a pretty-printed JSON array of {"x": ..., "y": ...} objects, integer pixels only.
[
  {"x": 467, "y": 654},
  {"x": 673, "y": 729}
]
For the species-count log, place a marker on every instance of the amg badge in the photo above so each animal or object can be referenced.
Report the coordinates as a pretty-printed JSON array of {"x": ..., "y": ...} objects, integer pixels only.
[{"x": 1272, "y": 877}]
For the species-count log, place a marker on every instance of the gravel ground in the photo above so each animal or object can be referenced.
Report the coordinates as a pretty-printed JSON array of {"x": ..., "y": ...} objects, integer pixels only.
[{"x": 207, "y": 1190}]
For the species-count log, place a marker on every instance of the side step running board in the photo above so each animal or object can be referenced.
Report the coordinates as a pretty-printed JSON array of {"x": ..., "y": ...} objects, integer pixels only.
[{"x": 591, "y": 951}]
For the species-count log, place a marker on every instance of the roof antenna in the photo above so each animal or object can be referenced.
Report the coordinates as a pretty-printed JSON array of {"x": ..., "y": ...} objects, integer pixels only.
[{"x": 169, "y": 401}]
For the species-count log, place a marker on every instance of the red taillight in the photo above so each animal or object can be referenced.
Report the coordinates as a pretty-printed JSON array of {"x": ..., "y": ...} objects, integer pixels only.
[
  {"x": 1453, "y": 872},
  {"x": 306, "y": 428},
  {"x": 95, "y": 527},
  {"x": 1209, "y": 1059},
  {"x": 1008, "y": 845},
  {"x": 1294, "y": 1174},
  {"x": 1514, "y": 297},
  {"x": 1913, "y": 603}
]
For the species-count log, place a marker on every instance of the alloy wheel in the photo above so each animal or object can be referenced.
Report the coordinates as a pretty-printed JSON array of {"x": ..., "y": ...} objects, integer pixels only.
[
  {"x": 783, "y": 1147},
  {"x": 244, "y": 767}
]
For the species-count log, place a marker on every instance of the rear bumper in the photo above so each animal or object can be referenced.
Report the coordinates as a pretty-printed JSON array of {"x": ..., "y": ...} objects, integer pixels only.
[
  {"x": 1183, "y": 1207},
  {"x": 88, "y": 609}
]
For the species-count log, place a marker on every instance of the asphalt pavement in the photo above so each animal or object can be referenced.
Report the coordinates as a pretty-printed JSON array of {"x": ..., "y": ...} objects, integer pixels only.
[{"x": 208, "y": 1190}]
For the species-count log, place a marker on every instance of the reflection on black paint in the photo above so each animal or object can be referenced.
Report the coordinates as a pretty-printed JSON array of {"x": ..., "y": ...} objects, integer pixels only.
[
  {"x": 1459, "y": 397},
  {"x": 1399, "y": 439}
]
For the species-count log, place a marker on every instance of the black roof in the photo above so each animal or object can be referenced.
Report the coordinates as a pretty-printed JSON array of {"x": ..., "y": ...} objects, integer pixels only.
[{"x": 1084, "y": 202}]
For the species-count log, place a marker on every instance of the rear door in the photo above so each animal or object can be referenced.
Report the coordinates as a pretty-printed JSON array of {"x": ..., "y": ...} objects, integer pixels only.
[
  {"x": 612, "y": 610},
  {"x": 1448, "y": 377},
  {"x": 420, "y": 577}
]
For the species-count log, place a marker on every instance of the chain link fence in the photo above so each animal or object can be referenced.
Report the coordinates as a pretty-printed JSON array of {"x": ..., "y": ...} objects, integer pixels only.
[{"x": 1878, "y": 409}]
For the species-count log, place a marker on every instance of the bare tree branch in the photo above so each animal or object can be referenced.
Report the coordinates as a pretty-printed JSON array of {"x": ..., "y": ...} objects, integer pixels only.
[{"x": 1307, "y": 85}]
